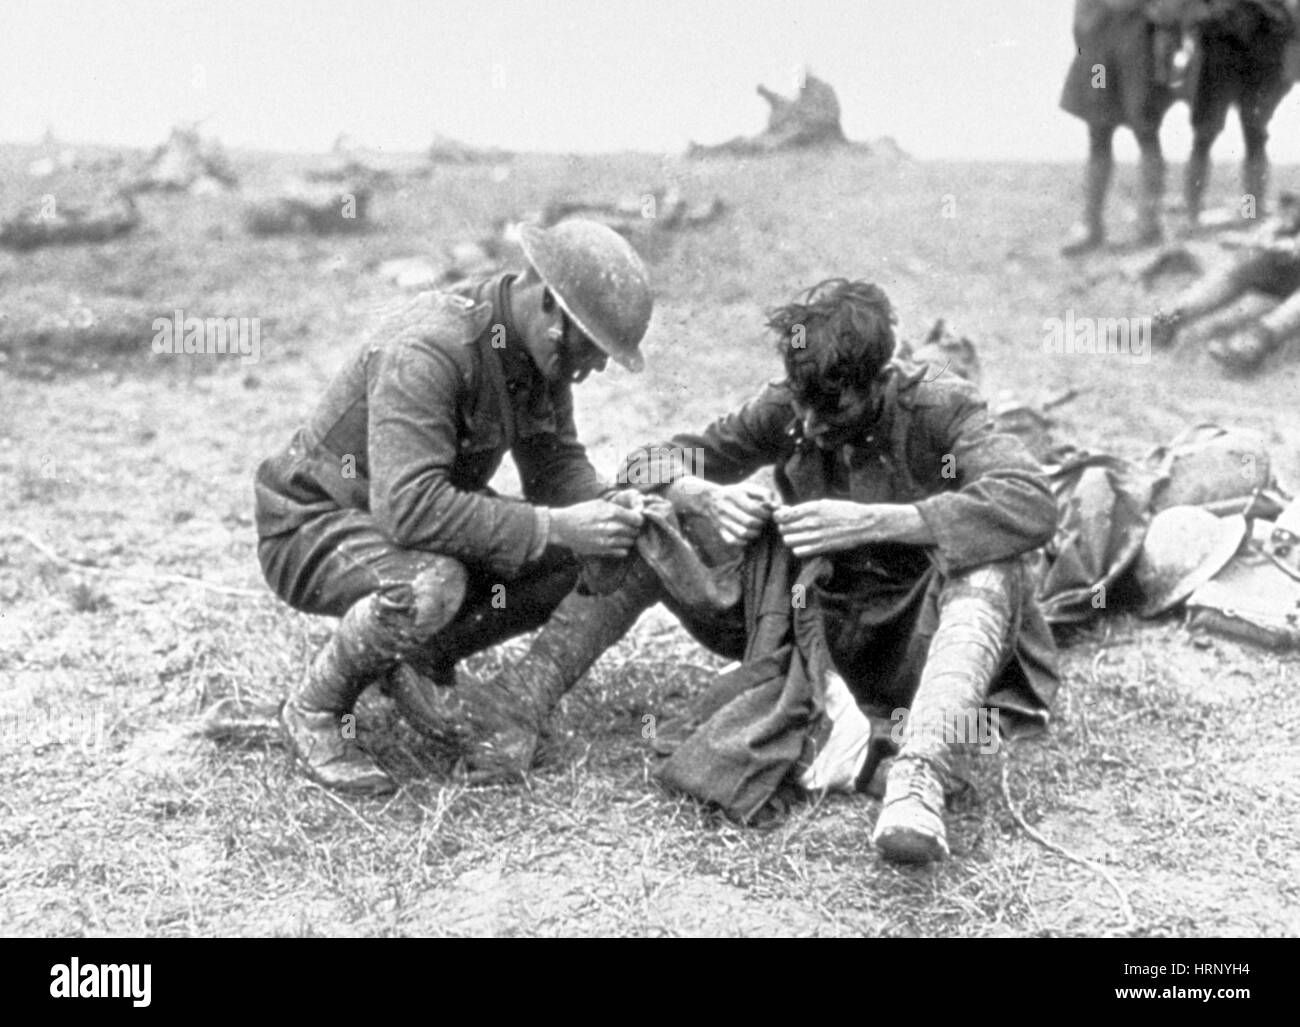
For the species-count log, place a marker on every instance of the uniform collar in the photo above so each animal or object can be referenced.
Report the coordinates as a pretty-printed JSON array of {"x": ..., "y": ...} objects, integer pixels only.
[{"x": 517, "y": 365}]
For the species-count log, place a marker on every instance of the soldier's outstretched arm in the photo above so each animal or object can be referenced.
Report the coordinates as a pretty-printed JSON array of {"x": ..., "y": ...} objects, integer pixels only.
[{"x": 729, "y": 450}]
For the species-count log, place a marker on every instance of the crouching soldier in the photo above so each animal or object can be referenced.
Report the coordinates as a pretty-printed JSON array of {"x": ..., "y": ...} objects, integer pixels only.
[
  {"x": 378, "y": 510},
  {"x": 923, "y": 512}
]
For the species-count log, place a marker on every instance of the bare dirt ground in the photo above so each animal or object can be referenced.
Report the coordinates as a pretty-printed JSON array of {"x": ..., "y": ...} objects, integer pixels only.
[{"x": 1173, "y": 761}]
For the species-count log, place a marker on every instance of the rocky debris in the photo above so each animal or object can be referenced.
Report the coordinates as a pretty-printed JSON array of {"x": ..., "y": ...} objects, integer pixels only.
[
  {"x": 810, "y": 118},
  {"x": 317, "y": 208},
  {"x": 351, "y": 163},
  {"x": 44, "y": 326},
  {"x": 460, "y": 262},
  {"x": 186, "y": 163},
  {"x": 51, "y": 164},
  {"x": 50, "y": 221},
  {"x": 887, "y": 147},
  {"x": 663, "y": 209},
  {"x": 444, "y": 150}
]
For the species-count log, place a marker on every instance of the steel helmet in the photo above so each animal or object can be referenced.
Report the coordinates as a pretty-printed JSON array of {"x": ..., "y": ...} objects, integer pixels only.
[
  {"x": 1184, "y": 548},
  {"x": 598, "y": 280}
]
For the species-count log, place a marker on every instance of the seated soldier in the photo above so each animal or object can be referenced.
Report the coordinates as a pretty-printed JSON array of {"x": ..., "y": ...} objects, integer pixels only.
[
  {"x": 1242, "y": 63},
  {"x": 378, "y": 509},
  {"x": 922, "y": 508}
]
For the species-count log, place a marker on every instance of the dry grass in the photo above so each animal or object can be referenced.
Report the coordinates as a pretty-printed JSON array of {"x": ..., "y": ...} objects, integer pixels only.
[{"x": 1170, "y": 763}]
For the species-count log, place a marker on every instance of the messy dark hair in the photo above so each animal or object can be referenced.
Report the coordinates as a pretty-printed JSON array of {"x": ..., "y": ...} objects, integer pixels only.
[{"x": 838, "y": 336}]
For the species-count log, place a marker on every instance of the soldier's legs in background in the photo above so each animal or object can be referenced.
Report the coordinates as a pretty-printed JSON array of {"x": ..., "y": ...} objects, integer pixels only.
[
  {"x": 392, "y": 602},
  {"x": 1151, "y": 169},
  {"x": 1254, "y": 169},
  {"x": 971, "y": 645},
  {"x": 1091, "y": 233},
  {"x": 1210, "y": 105},
  {"x": 1265, "y": 85},
  {"x": 1197, "y": 175}
]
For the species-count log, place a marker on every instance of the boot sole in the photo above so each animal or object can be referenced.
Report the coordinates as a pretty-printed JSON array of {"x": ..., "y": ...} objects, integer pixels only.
[{"x": 909, "y": 845}]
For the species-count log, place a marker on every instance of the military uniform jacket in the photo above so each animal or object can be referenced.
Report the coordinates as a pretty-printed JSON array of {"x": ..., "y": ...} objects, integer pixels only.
[{"x": 415, "y": 424}]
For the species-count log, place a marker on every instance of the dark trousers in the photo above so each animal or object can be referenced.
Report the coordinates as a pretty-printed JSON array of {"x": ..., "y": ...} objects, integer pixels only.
[{"x": 339, "y": 558}]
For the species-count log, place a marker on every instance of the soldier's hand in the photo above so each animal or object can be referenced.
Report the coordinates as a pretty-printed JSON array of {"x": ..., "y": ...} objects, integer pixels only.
[
  {"x": 738, "y": 511},
  {"x": 595, "y": 528},
  {"x": 824, "y": 525},
  {"x": 833, "y": 525}
]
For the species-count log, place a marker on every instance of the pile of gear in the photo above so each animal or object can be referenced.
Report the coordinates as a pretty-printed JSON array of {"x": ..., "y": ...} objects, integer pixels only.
[
  {"x": 186, "y": 162},
  {"x": 663, "y": 209},
  {"x": 318, "y": 208},
  {"x": 1202, "y": 522},
  {"x": 1232, "y": 560}
]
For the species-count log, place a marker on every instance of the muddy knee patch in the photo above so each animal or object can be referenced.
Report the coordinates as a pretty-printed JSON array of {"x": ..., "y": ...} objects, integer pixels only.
[{"x": 436, "y": 595}]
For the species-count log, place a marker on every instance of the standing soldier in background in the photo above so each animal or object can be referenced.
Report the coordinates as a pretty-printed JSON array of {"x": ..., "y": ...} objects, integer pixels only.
[
  {"x": 1242, "y": 48},
  {"x": 1120, "y": 76},
  {"x": 378, "y": 510}
]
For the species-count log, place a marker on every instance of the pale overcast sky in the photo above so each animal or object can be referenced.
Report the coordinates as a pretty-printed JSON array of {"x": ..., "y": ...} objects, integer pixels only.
[{"x": 947, "y": 78}]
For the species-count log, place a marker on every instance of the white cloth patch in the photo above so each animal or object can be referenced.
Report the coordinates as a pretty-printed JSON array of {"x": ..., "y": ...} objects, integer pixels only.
[{"x": 840, "y": 761}]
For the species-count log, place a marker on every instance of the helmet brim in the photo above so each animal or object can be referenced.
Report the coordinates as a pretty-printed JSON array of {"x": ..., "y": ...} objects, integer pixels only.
[
  {"x": 1232, "y": 532},
  {"x": 531, "y": 242}
]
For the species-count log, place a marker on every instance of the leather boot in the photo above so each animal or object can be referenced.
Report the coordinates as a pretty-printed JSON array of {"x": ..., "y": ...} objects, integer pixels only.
[
  {"x": 371, "y": 637},
  {"x": 1151, "y": 198},
  {"x": 1091, "y": 233},
  {"x": 510, "y": 713},
  {"x": 964, "y": 654},
  {"x": 1242, "y": 352}
]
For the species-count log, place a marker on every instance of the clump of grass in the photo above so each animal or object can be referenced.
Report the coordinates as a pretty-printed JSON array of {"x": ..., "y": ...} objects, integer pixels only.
[{"x": 86, "y": 599}]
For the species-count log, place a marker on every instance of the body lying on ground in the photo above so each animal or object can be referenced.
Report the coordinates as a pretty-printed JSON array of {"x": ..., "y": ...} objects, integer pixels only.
[{"x": 1267, "y": 261}]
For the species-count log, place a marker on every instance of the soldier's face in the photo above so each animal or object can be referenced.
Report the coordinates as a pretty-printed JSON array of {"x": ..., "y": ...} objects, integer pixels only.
[
  {"x": 831, "y": 419},
  {"x": 565, "y": 353}
]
